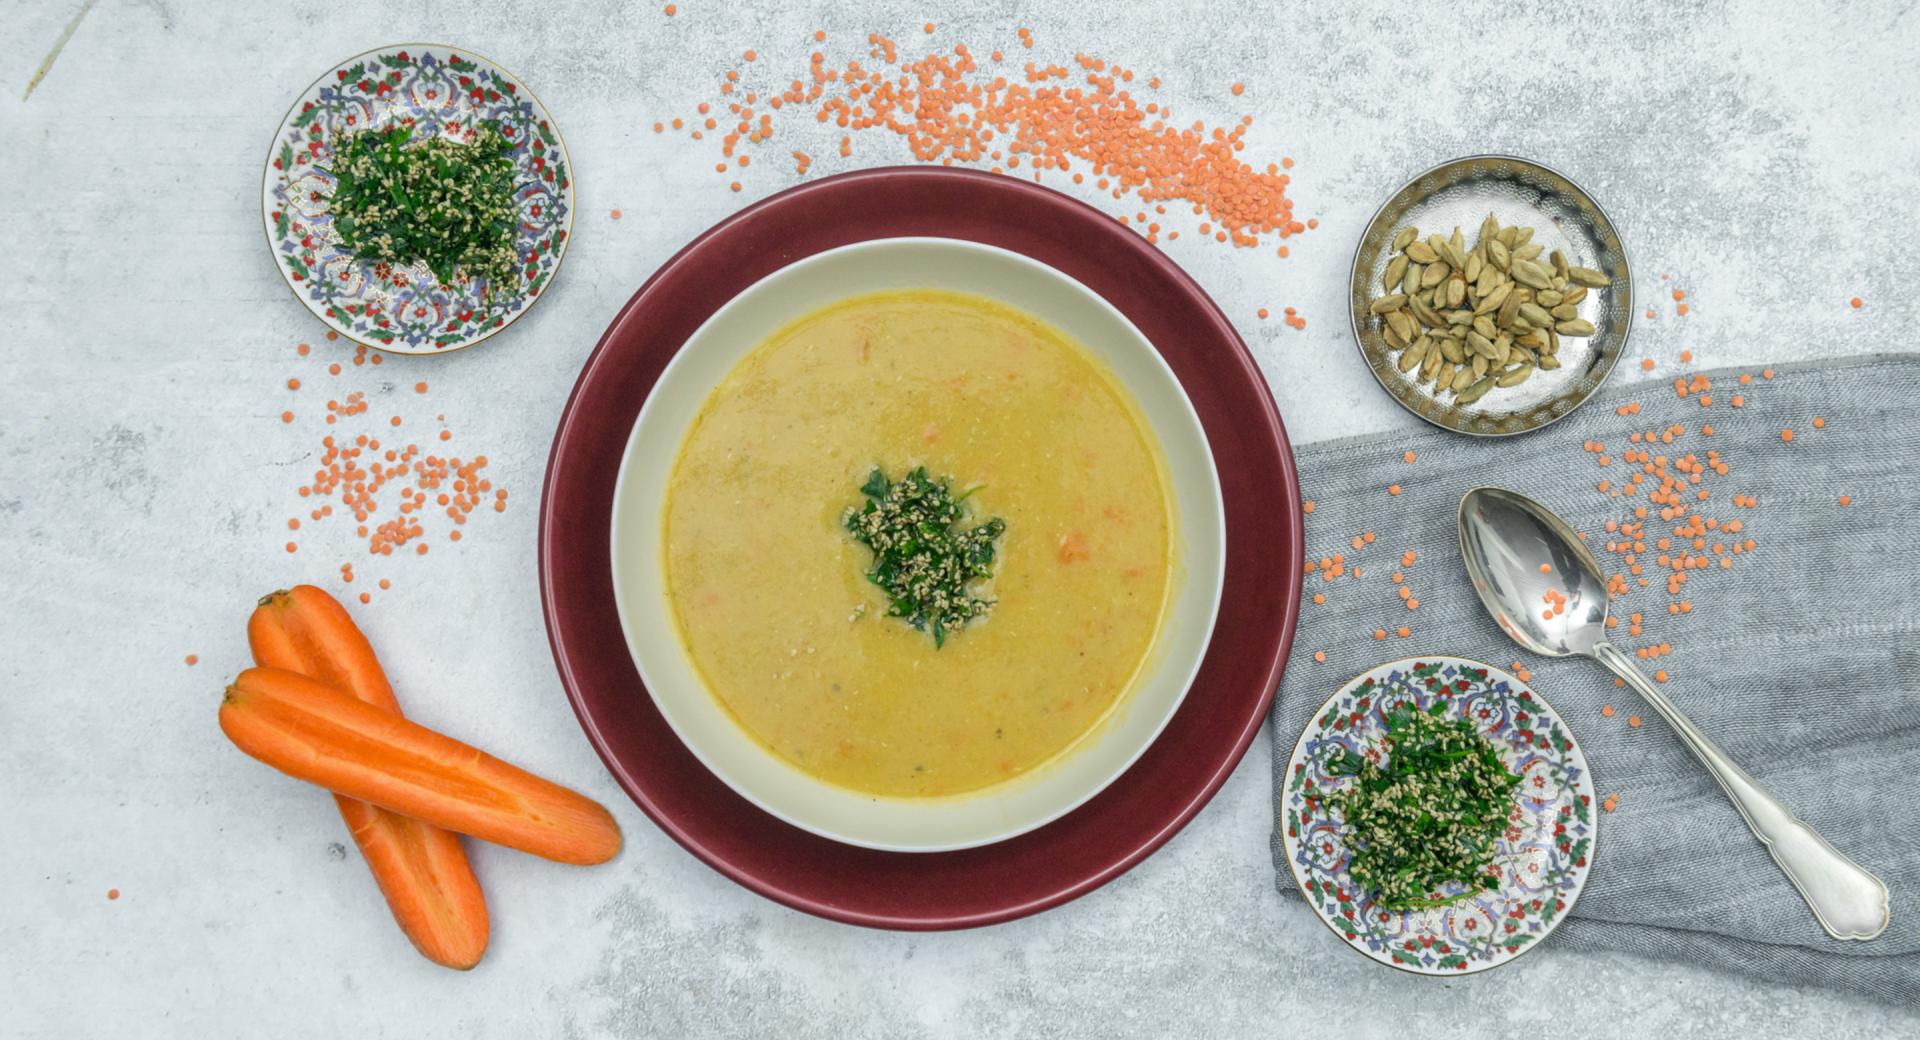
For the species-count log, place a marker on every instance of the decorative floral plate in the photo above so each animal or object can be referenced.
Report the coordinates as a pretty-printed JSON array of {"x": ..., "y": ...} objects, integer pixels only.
[
  {"x": 438, "y": 90},
  {"x": 1543, "y": 858}
]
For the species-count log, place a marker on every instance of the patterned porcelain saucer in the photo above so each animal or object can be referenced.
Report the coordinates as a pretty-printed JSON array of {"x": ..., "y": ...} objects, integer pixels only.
[
  {"x": 444, "y": 91},
  {"x": 1543, "y": 858}
]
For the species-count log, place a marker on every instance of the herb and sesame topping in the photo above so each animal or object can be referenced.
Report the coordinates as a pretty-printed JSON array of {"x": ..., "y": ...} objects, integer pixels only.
[
  {"x": 1430, "y": 816},
  {"x": 438, "y": 202},
  {"x": 925, "y": 557}
]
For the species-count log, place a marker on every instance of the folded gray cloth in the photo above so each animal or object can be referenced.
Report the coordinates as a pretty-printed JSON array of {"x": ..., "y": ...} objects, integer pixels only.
[{"x": 1799, "y": 658}]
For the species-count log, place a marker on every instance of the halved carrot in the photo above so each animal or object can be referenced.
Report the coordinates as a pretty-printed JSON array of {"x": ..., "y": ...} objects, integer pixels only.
[
  {"x": 421, "y": 870},
  {"x": 325, "y": 736}
]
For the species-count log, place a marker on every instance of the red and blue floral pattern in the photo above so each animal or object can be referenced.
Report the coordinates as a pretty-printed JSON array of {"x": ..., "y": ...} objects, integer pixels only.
[
  {"x": 1541, "y": 861},
  {"x": 436, "y": 91}
]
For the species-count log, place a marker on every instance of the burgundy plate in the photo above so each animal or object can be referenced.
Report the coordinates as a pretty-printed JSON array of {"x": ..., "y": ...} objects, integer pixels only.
[{"x": 1137, "y": 813}]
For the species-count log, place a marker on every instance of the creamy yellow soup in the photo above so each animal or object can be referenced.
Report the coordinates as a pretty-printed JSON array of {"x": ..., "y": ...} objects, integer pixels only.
[{"x": 770, "y": 590}]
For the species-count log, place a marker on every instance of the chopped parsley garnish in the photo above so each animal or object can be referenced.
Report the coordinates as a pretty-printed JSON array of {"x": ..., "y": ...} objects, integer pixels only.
[
  {"x": 1430, "y": 816},
  {"x": 924, "y": 555},
  {"x": 438, "y": 202}
]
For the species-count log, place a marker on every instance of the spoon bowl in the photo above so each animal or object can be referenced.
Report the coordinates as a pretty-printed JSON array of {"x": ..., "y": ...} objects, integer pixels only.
[{"x": 1520, "y": 557}]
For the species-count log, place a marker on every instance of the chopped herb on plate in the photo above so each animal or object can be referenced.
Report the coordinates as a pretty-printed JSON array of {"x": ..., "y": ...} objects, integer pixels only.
[
  {"x": 924, "y": 556},
  {"x": 1430, "y": 816},
  {"x": 435, "y": 201}
]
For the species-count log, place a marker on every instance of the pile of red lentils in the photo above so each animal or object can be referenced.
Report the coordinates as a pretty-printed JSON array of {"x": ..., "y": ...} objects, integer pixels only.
[
  {"x": 1079, "y": 121},
  {"x": 359, "y": 475}
]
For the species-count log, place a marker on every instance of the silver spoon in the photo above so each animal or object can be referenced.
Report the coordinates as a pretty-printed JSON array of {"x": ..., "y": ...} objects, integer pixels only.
[{"x": 1505, "y": 538}]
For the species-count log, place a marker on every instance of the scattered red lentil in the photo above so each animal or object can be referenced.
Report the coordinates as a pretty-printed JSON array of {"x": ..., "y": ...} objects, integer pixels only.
[
  {"x": 1819, "y": 423},
  {"x": 1787, "y": 435},
  {"x": 1846, "y": 500},
  {"x": 354, "y": 471},
  {"x": 1611, "y": 802},
  {"x": 1856, "y": 303},
  {"x": 1393, "y": 489},
  {"x": 192, "y": 659},
  {"x": 1320, "y": 655},
  {"x": 1409, "y": 457},
  {"x": 671, "y": 10},
  {"x": 113, "y": 893},
  {"x": 616, "y": 213},
  {"x": 1633, "y": 721},
  {"x": 1607, "y": 710},
  {"x": 948, "y": 109}
]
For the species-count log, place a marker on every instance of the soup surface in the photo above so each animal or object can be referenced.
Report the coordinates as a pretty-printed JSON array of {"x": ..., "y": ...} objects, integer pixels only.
[{"x": 770, "y": 589}]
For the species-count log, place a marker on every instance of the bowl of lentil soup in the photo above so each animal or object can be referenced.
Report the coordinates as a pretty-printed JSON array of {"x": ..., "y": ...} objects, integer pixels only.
[
  {"x": 1140, "y": 810},
  {"x": 1529, "y": 872},
  {"x": 417, "y": 198}
]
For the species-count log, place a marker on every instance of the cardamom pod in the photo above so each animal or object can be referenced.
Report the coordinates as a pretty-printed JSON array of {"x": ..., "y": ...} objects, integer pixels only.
[
  {"x": 1475, "y": 392},
  {"x": 1396, "y": 269},
  {"x": 1413, "y": 355},
  {"x": 1514, "y": 376},
  {"x": 1492, "y": 300},
  {"x": 1530, "y": 274}
]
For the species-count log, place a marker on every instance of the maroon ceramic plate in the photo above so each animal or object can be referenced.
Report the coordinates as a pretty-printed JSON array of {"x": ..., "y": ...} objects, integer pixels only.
[{"x": 1137, "y": 813}]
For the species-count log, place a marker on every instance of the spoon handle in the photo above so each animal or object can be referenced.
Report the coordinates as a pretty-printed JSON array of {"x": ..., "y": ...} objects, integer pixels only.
[{"x": 1849, "y": 902}]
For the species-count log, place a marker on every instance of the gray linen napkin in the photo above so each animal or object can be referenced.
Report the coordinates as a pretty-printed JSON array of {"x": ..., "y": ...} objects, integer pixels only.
[{"x": 1800, "y": 659}]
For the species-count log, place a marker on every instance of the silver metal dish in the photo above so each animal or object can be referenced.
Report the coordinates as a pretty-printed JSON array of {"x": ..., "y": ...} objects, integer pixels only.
[{"x": 1461, "y": 193}]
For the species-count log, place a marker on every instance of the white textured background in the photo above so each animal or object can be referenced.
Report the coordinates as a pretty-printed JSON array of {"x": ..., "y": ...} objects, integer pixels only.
[{"x": 1763, "y": 155}]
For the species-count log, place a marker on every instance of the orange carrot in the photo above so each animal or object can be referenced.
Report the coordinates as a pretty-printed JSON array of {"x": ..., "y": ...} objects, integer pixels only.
[
  {"x": 421, "y": 870},
  {"x": 325, "y": 736}
]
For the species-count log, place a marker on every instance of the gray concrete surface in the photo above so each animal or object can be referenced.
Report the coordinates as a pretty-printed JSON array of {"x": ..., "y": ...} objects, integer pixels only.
[{"x": 1765, "y": 156}]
